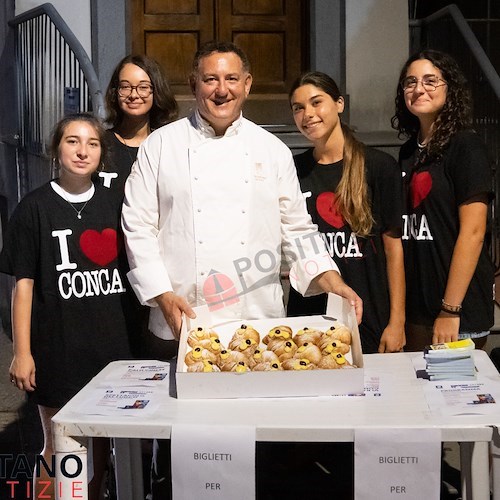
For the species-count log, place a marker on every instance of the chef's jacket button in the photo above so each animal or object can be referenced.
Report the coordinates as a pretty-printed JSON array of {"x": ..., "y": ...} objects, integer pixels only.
[
  {"x": 246, "y": 181},
  {"x": 200, "y": 242},
  {"x": 242, "y": 242},
  {"x": 199, "y": 210},
  {"x": 195, "y": 178},
  {"x": 243, "y": 211},
  {"x": 202, "y": 273}
]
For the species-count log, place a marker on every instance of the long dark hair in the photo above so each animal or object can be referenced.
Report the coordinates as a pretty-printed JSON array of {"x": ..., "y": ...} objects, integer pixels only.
[
  {"x": 164, "y": 109},
  {"x": 456, "y": 113},
  {"x": 352, "y": 197}
]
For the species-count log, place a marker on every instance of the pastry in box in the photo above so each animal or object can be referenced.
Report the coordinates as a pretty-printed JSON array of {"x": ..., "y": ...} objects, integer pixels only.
[{"x": 275, "y": 357}]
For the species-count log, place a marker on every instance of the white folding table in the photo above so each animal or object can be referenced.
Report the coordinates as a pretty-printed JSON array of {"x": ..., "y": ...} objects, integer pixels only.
[{"x": 322, "y": 419}]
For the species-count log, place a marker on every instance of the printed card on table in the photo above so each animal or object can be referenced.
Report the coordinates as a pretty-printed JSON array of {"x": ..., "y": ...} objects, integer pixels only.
[
  {"x": 134, "y": 401},
  {"x": 146, "y": 373},
  {"x": 456, "y": 398}
]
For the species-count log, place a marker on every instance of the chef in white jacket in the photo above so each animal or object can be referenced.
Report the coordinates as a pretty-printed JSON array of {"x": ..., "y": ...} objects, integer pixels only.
[{"x": 212, "y": 204}]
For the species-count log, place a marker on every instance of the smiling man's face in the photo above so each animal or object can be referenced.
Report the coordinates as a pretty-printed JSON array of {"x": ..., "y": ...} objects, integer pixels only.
[{"x": 221, "y": 88}]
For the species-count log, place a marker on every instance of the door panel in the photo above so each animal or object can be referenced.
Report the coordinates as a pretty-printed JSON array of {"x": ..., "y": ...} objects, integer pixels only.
[
  {"x": 271, "y": 32},
  {"x": 170, "y": 6},
  {"x": 256, "y": 7},
  {"x": 177, "y": 61}
]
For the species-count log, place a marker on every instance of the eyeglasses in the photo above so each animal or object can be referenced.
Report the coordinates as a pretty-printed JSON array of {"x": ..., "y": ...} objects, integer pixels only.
[
  {"x": 143, "y": 90},
  {"x": 430, "y": 83}
]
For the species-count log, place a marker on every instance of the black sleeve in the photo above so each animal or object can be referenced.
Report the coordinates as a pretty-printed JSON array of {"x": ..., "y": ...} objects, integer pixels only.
[
  {"x": 469, "y": 167},
  {"x": 19, "y": 254}
]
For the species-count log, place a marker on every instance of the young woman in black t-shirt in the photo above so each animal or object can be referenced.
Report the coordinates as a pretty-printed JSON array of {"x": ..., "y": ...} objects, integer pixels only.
[
  {"x": 448, "y": 186},
  {"x": 70, "y": 309},
  {"x": 138, "y": 101},
  {"x": 353, "y": 194}
]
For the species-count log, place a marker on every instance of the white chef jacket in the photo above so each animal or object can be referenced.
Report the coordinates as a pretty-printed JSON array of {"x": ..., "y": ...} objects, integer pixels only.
[{"x": 209, "y": 218}]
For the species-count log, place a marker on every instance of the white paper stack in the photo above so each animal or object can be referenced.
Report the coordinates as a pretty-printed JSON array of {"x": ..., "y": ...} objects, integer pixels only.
[{"x": 451, "y": 361}]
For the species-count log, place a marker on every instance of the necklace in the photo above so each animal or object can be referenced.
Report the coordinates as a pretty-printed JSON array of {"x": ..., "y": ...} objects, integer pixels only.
[
  {"x": 420, "y": 146},
  {"x": 78, "y": 212}
]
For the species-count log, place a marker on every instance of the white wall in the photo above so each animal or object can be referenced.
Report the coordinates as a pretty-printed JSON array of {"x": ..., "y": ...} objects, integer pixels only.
[
  {"x": 76, "y": 13},
  {"x": 376, "y": 48}
]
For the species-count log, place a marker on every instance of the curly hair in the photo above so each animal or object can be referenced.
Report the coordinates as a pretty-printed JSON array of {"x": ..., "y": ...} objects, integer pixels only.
[
  {"x": 164, "y": 109},
  {"x": 455, "y": 115},
  {"x": 352, "y": 197}
]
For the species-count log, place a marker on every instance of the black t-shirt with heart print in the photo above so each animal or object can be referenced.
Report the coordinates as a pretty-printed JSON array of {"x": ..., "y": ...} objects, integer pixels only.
[
  {"x": 360, "y": 260},
  {"x": 80, "y": 308},
  {"x": 434, "y": 192}
]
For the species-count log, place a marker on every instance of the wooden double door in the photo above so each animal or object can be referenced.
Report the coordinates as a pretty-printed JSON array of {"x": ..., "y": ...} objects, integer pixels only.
[{"x": 273, "y": 33}]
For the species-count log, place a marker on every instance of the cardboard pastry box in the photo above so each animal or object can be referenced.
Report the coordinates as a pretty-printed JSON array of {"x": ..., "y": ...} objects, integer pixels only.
[{"x": 286, "y": 383}]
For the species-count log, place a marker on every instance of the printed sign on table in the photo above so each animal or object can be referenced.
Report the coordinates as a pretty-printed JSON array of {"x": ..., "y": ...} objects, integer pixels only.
[
  {"x": 397, "y": 463},
  {"x": 213, "y": 462}
]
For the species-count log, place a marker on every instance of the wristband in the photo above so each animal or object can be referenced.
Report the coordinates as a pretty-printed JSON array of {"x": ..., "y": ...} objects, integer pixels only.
[{"x": 448, "y": 308}]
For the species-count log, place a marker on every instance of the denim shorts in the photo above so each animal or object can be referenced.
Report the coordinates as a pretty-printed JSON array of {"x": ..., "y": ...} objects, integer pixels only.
[{"x": 472, "y": 335}]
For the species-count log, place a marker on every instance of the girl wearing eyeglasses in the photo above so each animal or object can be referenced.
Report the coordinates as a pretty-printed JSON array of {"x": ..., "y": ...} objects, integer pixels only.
[
  {"x": 138, "y": 100},
  {"x": 353, "y": 194},
  {"x": 447, "y": 178}
]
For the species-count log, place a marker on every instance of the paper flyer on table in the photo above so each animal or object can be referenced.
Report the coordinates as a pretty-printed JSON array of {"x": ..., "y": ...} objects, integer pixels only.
[
  {"x": 136, "y": 401},
  {"x": 463, "y": 398},
  {"x": 143, "y": 373}
]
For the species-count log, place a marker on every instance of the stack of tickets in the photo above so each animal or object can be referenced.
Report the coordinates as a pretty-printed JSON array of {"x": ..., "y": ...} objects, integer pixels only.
[{"x": 451, "y": 360}]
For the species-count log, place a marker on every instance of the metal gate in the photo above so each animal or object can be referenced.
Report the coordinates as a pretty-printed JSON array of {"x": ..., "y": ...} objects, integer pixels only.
[{"x": 54, "y": 77}]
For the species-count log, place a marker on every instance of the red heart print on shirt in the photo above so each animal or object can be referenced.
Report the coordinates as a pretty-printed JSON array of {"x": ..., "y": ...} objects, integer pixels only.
[
  {"x": 99, "y": 247},
  {"x": 420, "y": 187},
  {"x": 327, "y": 209}
]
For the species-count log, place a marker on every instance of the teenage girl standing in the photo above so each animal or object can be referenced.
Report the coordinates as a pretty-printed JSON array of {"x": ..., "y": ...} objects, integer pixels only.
[
  {"x": 138, "y": 101},
  {"x": 63, "y": 246},
  {"x": 448, "y": 184},
  {"x": 353, "y": 194}
]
